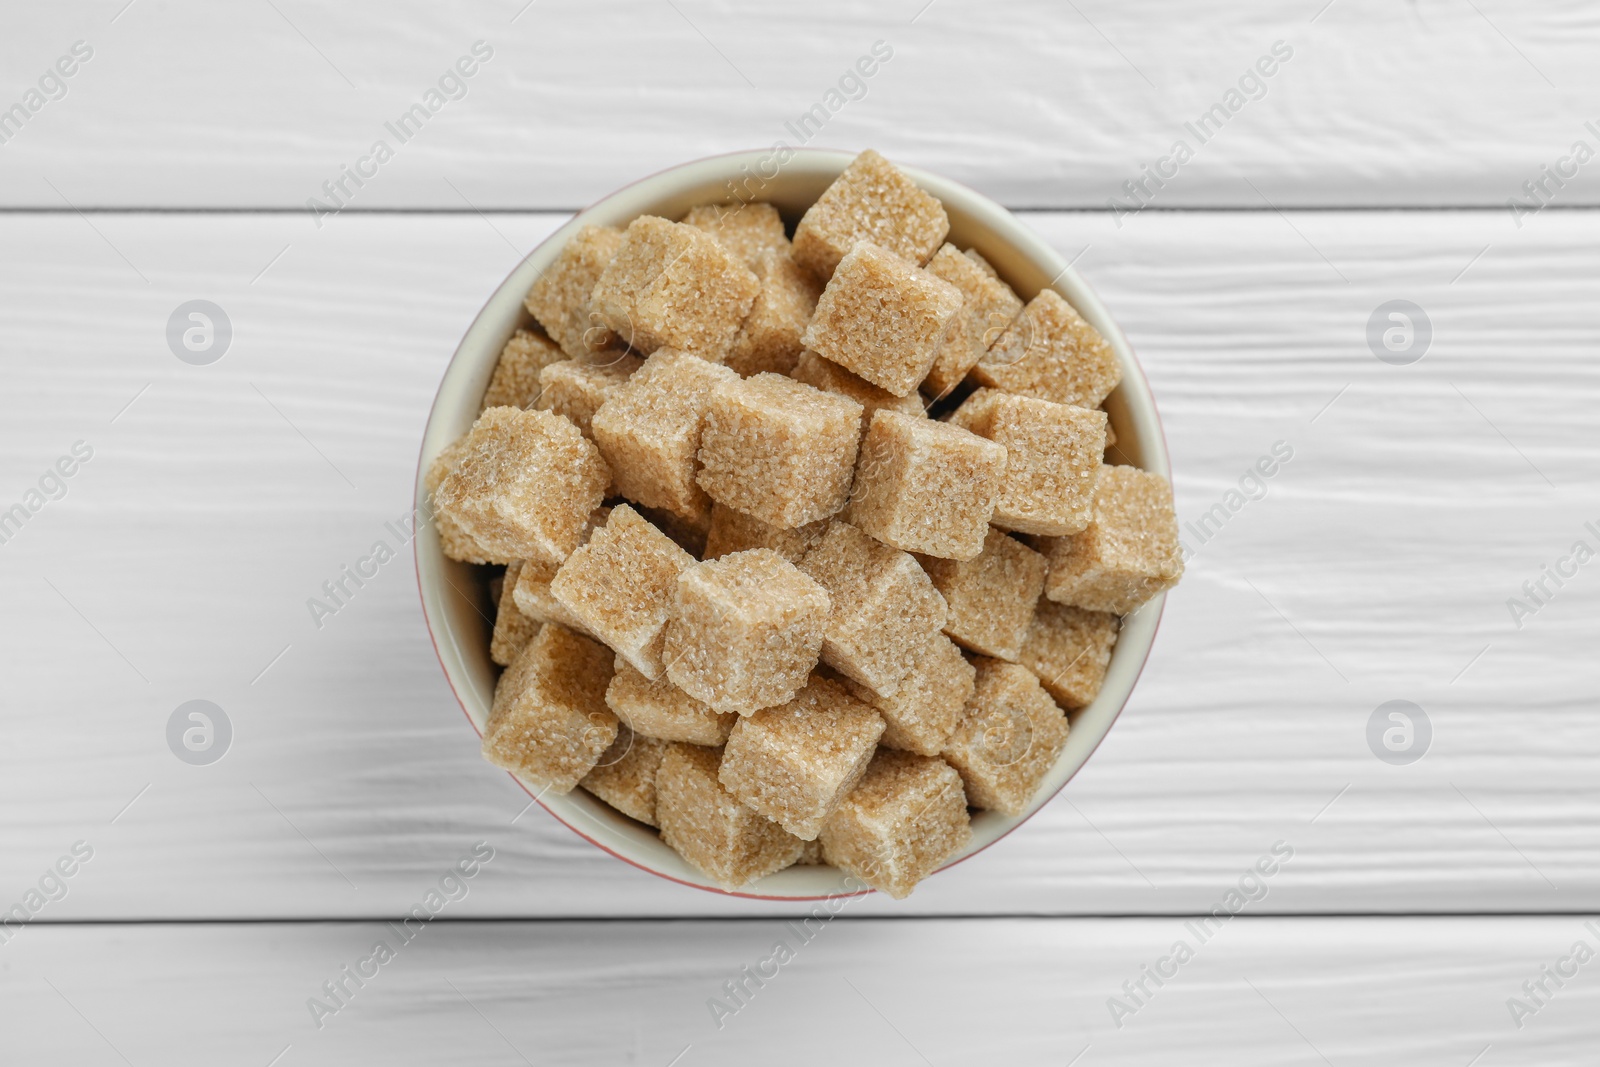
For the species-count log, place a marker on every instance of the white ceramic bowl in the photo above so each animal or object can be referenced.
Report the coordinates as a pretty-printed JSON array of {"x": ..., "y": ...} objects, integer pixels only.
[{"x": 455, "y": 595}]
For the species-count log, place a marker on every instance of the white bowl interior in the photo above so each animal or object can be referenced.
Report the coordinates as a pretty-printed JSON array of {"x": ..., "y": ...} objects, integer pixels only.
[{"x": 455, "y": 595}]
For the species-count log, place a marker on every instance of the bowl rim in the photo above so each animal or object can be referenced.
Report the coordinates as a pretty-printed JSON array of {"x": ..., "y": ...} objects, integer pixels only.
[{"x": 1084, "y": 299}]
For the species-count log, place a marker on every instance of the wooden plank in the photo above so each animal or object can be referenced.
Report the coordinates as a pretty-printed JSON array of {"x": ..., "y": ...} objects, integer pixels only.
[
  {"x": 1036, "y": 104},
  {"x": 1259, "y": 991},
  {"x": 219, "y": 498}
]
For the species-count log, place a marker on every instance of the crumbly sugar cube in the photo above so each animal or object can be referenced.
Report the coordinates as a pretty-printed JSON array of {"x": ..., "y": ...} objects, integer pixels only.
[
  {"x": 871, "y": 201},
  {"x": 745, "y": 631},
  {"x": 906, "y": 816},
  {"x": 885, "y": 608},
  {"x": 828, "y": 376},
  {"x": 661, "y": 710},
  {"x": 926, "y": 486},
  {"x": 779, "y": 450},
  {"x": 795, "y": 763},
  {"x": 1129, "y": 551},
  {"x": 748, "y": 230},
  {"x": 515, "y": 382},
  {"x": 577, "y": 387},
  {"x": 1009, "y": 736},
  {"x": 649, "y": 431},
  {"x": 734, "y": 531},
  {"x": 709, "y": 828},
  {"x": 923, "y": 711},
  {"x": 512, "y": 629},
  {"x": 988, "y": 306},
  {"x": 524, "y": 485},
  {"x": 991, "y": 596},
  {"x": 1069, "y": 650},
  {"x": 625, "y": 775},
  {"x": 983, "y": 264},
  {"x": 882, "y": 318},
  {"x": 549, "y": 721},
  {"x": 674, "y": 286},
  {"x": 455, "y": 542},
  {"x": 560, "y": 298},
  {"x": 769, "y": 339},
  {"x": 621, "y": 584},
  {"x": 1051, "y": 353},
  {"x": 1053, "y": 460}
]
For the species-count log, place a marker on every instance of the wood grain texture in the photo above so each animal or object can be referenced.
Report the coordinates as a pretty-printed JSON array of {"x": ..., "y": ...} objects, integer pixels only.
[
  {"x": 1260, "y": 991},
  {"x": 1035, "y": 103},
  {"x": 1418, "y": 500}
]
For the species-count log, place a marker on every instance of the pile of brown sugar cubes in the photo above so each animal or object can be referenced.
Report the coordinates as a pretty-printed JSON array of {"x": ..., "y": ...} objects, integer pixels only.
[{"x": 810, "y": 543}]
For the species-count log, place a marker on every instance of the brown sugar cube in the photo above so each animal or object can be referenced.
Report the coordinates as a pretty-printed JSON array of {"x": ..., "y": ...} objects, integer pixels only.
[
  {"x": 515, "y": 382},
  {"x": 769, "y": 339},
  {"x": 1069, "y": 649},
  {"x": 674, "y": 286},
  {"x": 1053, "y": 460},
  {"x": 453, "y": 540},
  {"x": 524, "y": 485},
  {"x": 1129, "y": 551},
  {"x": 925, "y": 486},
  {"x": 733, "y": 531},
  {"x": 745, "y": 631},
  {"x": 709, "y": 828},
  {"x": 882, "y": 318},
  {"x": 1009, "y": 736},
  {"x": 620, "y": 586},
  {"x": 828, "y": 376},
  {"x": 748, "y": 230},
  {"x": 649, "y": 431},
  {"x": 991, "y": 596},
  {"x": 871, "y": 201},
  {"x": 794, "y": 763},
  {"x": 577, "y": 387},
  {"x": 560, "y": 298},
  {"x": 512, "y": 629},
  {"x": 988, "y": 307},
  {"x": 906, "y": 816},
  {"x": 885, "y": 608},
  {"x": 660, "y": 709},
  {"x": 1051, "y": 353},
  {"x": 625, "y": 775},
  {"x": 549, "y": 721},
  {"x": 923, "y": 711},
  {"x": 811, "y": 855},
  {"x": 779, "y": 450}
]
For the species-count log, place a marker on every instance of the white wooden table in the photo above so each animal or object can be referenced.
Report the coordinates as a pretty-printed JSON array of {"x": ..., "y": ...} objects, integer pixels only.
[{"x": 1374, "y": 164}]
